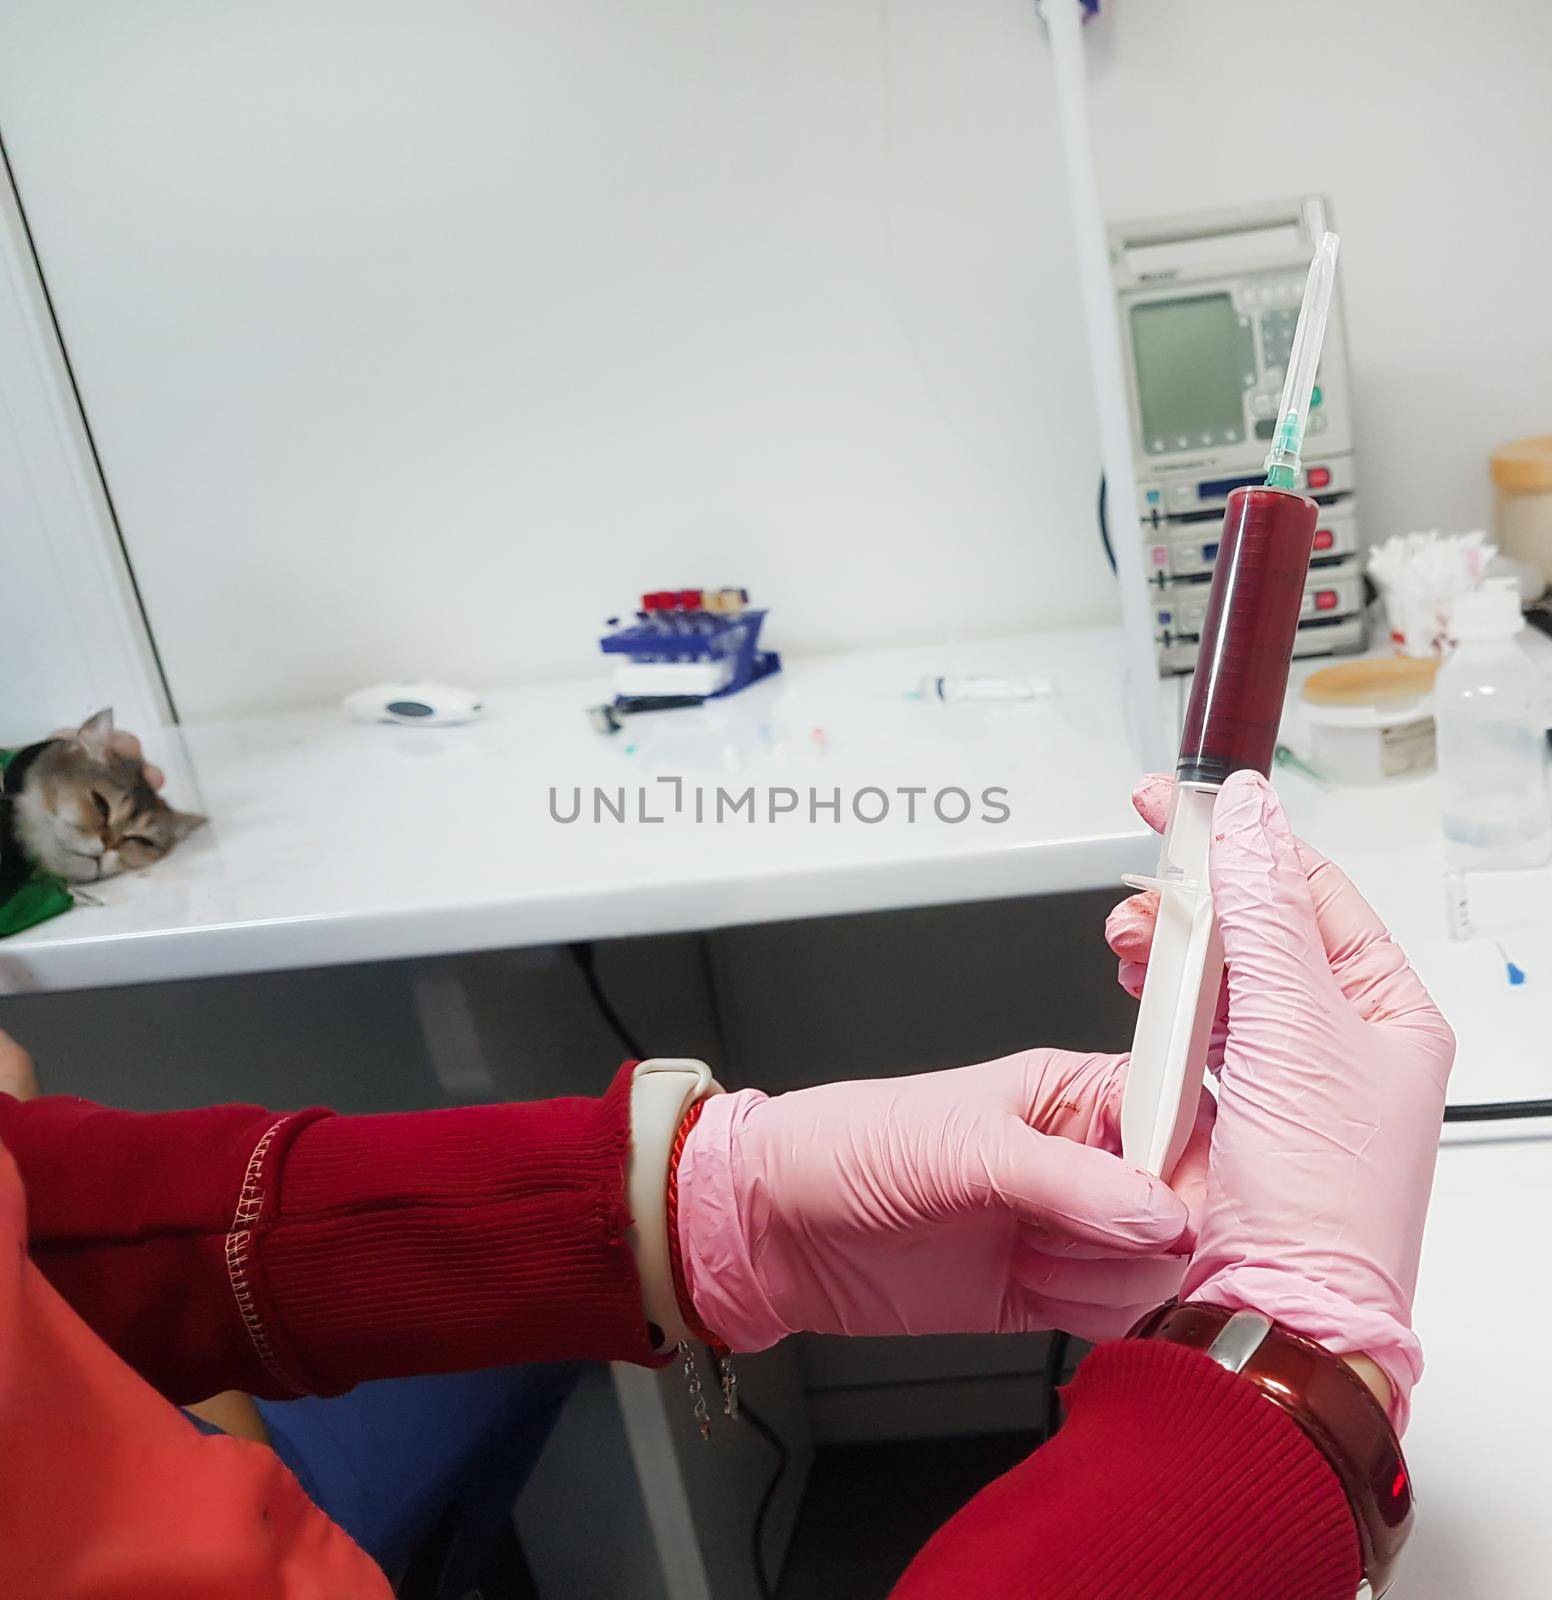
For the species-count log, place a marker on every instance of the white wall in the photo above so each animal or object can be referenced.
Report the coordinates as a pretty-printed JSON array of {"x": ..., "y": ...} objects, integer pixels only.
[
  {"x": 420, "y": 338},
  {"x": 1430, "y": 125}
]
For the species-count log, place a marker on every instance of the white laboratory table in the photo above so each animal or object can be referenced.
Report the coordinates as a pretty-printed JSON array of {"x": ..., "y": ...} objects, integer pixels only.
[
  {"x": 338, "y": 843},
  {"x": 335, "y": 842}
]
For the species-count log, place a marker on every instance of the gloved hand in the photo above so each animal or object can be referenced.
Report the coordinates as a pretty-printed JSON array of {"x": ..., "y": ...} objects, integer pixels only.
[
  {"x": 1333, "y": 1069},
  {"x": 1129, "y": 927},
  {"x": 982, "y": 1199}
]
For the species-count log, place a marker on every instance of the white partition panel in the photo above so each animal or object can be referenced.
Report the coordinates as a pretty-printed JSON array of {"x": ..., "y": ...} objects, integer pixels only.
[{"x": 72, "y": 638}]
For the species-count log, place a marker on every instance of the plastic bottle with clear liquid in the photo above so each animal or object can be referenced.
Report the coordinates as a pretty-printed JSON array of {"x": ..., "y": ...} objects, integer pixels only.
[{"x": 1491, "y": 710}]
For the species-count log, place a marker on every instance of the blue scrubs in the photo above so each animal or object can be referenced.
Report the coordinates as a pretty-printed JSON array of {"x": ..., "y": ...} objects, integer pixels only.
[{"x": 388, "y": 1460}]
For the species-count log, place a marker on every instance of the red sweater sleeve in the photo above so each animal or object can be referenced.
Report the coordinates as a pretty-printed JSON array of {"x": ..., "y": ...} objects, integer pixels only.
[
  {"x": 303, "y": 1252},
  {"x": 1170, "y": 1480}
]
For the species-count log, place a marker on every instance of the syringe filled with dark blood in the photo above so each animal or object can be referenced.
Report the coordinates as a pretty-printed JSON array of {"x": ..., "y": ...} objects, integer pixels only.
[
  {"x": 1231, "y": 725},
  {"x": 1253, "y": 610}
]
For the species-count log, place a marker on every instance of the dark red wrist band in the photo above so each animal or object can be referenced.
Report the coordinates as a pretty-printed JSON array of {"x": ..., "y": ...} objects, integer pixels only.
[{"x": 1333, "y": 1406}]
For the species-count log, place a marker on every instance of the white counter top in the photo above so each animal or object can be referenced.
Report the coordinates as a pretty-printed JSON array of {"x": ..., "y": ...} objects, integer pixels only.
[
  {"x": 1479, "y": 1416},
  {"x": 1390, "y": 844},
  {"x": 1389, "y": 839},
  {"x": 334, "y": 842}
]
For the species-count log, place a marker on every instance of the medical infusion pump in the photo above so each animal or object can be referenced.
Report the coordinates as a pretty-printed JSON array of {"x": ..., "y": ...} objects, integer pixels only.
[{"x": 1207, "y": 306}]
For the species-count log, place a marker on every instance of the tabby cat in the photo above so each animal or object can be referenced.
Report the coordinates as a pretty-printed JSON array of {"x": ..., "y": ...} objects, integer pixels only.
[{"x": 81, "y": 809}]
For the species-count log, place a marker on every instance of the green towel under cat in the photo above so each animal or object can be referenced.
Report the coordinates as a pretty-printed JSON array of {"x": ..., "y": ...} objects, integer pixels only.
[{"x": 28, "y": 895}]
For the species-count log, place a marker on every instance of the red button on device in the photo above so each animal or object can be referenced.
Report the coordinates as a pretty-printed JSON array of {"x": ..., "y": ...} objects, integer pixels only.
[
  {"x": 1326, "y": 600},
  {"x": 1324, "y": 538},
  {"x": 1318, "y": 477}
]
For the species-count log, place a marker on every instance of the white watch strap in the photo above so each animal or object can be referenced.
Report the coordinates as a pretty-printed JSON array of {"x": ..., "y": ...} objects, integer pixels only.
[{"x": 662, "y": 1091}]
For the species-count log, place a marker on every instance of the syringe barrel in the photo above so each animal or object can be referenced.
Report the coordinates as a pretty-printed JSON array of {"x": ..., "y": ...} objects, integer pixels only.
[{"x": 1247, "y": 639}]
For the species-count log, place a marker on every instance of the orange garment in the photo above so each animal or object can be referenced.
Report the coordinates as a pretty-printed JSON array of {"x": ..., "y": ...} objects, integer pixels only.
[{"x": 108, "y": 1493}]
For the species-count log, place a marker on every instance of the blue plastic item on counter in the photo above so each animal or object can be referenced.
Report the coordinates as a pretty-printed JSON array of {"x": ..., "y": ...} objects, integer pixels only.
[{"x": 663, "y": 636}]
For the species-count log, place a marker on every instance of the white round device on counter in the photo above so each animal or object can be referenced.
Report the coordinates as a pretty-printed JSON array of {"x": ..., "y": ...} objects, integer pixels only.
[{"x": 414, "y": 705}]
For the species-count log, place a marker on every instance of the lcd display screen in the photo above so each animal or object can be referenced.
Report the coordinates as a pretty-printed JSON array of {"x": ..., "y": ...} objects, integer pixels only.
[{"x": 1195, "y": 359}]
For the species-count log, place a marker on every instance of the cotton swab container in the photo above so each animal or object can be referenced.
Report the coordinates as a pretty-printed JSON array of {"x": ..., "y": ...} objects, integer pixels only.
[{"x": 1419, "y": 577}]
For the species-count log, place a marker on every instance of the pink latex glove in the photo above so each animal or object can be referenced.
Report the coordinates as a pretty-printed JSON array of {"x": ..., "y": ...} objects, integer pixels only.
[
  {"x": 1333, "y": 1067},
  {"x": 979, "y": 1200},
  {"x": 1129, "y": 927}
]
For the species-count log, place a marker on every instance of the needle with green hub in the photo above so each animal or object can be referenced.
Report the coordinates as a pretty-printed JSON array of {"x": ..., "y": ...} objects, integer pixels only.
[{"x": 1282, "y": 460}]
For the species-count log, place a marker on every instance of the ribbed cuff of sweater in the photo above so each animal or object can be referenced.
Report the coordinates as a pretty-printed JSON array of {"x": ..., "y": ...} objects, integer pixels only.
[
  {"x": 448, "y": 1240},
  {"x": 1171, "y": 1479}
]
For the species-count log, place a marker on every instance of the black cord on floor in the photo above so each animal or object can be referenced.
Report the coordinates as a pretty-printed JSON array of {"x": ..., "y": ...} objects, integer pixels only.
[
  {"x": 1055, "y": 1366},
  {"x": 586, "y": 957},
  {"x": 757, "y": 1537},
  {"x": 753, "y": 1418},
  {"x": 1498, "y": 1111}
]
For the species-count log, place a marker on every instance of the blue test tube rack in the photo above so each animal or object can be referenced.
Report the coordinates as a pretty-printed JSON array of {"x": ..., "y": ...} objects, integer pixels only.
[{"x": 712, "y": 636}]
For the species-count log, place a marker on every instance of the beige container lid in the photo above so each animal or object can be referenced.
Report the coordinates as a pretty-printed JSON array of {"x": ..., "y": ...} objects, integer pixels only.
[
  {"x": 1524, "y": 464},
  {"x": 1387, "y": 681}
]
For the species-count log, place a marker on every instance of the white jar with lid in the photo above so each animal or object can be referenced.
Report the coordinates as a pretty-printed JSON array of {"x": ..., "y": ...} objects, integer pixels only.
[
  {"x": 1371, "y": 721},
  {"x": 1490, "y": 704}
]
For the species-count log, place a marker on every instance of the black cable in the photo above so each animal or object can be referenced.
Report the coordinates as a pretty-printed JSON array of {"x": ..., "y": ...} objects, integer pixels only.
[
  {"x": 585, "y": 955},
  {"x": 8, "y": 175},
  {"x": 1104, "y": 523},
  {"x": 1055, "y": 1365},
  {"x": 1498, "y": 1111},
  {"x": 757, "y": 1537},
  {"x": 761, "y": 1426}
]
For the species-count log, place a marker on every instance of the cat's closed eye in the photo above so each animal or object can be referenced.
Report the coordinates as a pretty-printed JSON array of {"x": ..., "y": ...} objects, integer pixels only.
[{"x": 63, "y": 808}]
